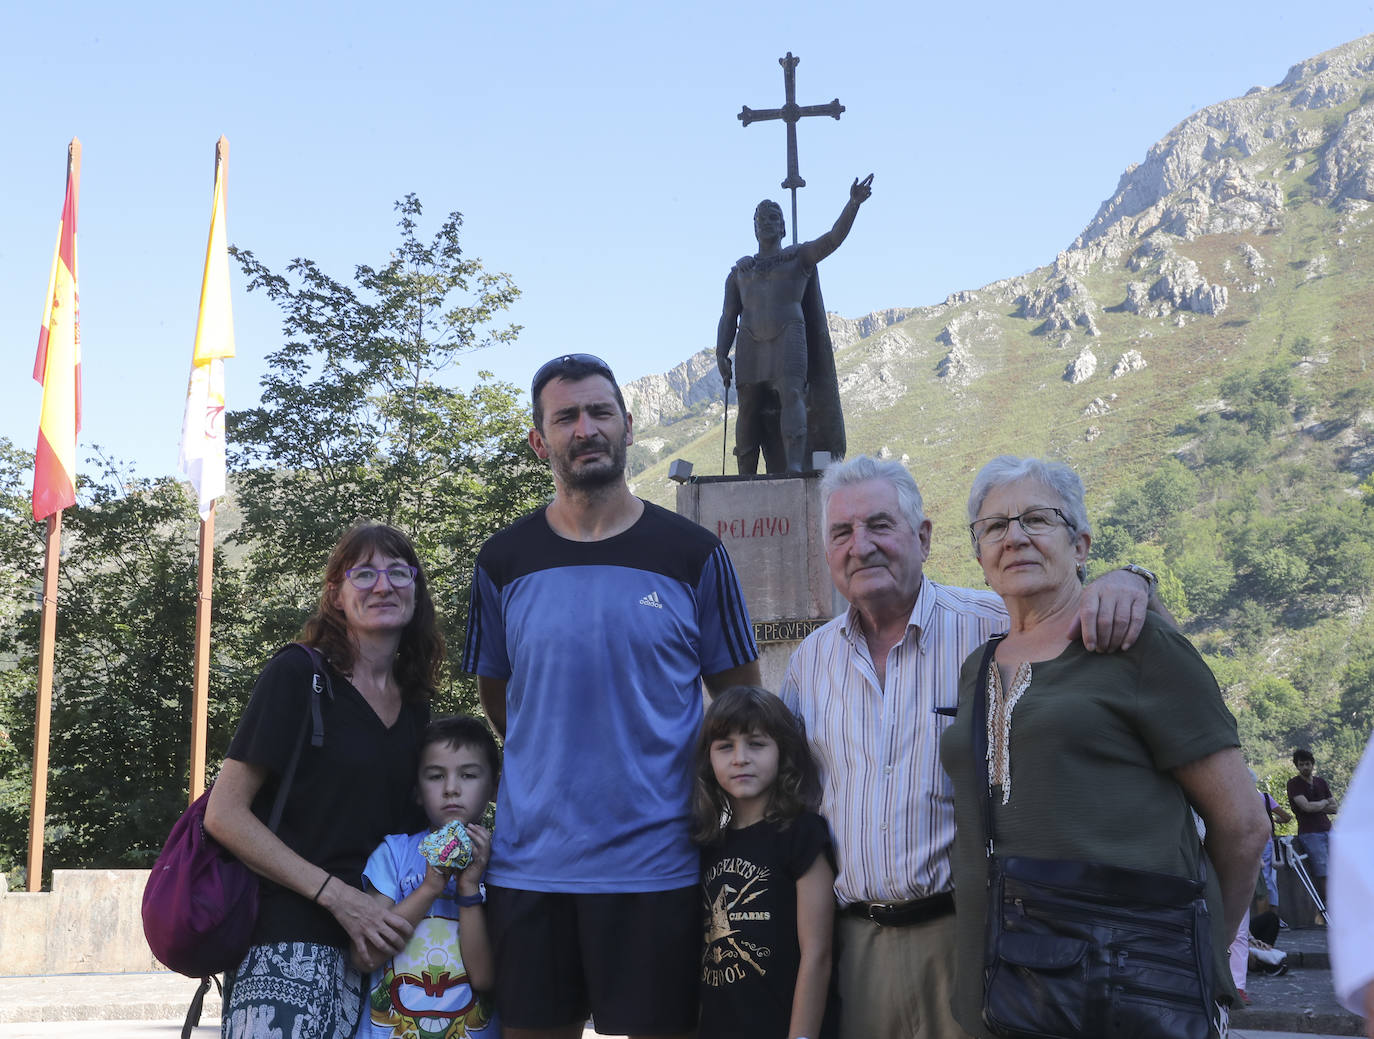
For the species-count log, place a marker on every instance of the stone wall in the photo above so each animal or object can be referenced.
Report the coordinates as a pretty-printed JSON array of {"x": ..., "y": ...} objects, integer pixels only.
[{"x": 90, "y": 922}]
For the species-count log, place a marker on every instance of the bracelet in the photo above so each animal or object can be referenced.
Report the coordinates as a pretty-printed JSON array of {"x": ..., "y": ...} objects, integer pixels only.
[
  {"x": 318, "y": 893},
  {"x": 471, "y": 900}
]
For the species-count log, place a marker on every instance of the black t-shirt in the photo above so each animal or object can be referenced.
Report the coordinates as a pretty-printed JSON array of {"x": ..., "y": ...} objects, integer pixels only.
[
  {"x": 749, "y": 964},
  {"x": 346, "y": 796}
]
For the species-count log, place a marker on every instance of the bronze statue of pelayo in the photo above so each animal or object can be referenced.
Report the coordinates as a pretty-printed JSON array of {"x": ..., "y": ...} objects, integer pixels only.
[{"x": 784, "y": 368}]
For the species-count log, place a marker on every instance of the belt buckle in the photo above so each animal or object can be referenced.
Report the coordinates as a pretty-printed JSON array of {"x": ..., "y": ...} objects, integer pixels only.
[{"x": 880, "y": 909}]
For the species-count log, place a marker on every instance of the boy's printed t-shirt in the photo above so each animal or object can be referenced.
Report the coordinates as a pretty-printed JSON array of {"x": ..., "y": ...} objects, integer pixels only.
[{"x": 422, "y": 993}]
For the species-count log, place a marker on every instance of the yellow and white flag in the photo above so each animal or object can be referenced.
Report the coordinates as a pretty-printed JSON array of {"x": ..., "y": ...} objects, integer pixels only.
[{"x": 202, "y": 430}]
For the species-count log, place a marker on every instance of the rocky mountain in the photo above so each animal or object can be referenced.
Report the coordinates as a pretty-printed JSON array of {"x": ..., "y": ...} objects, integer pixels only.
[
  {"x": 1246, "y": 200},
  {"x": 1203, "y": 354}
]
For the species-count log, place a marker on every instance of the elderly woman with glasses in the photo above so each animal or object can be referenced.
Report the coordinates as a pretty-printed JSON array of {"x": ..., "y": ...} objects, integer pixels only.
[
  {"x": 1099, "y": 758},
  {"x": 376, "y": 632}
]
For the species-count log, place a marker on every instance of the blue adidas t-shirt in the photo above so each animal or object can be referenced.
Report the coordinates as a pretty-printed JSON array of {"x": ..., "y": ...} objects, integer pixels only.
[{"x": 602, "y": 645}]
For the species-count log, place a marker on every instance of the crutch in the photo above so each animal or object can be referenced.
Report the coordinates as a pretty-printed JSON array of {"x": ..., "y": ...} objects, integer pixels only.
[{"x": 1296, "y": 860}]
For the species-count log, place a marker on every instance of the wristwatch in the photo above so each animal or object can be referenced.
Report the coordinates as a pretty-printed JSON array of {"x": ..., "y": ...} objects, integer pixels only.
[{"x": 1149, "y": 575}]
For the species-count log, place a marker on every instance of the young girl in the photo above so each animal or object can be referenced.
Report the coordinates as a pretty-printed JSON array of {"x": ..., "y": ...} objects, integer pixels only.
[{"x": 766, "y": 873}]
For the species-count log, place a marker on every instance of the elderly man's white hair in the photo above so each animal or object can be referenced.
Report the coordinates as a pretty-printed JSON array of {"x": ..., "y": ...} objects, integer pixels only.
[{"x": 862, "y": 468}]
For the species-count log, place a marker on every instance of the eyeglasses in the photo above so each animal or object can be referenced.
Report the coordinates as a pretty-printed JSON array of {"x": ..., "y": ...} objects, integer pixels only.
[
  {"x": 1035, "y": 522},
  {"x": 364, "y": 577},
  {"x": 558, "y": 366}
]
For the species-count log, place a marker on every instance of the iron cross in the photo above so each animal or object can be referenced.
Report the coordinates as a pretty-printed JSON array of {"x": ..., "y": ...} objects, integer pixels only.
[{"x": 789, "y": 113}]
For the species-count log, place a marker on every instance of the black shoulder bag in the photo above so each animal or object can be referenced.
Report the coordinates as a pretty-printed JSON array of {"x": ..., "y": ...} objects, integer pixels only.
[{"x": 1083, "y": 950}]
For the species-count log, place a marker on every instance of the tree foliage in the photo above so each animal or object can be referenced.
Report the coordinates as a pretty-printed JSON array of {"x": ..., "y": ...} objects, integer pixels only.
[
  {"x": 356, "y": 421},
  {"x": 358, "y": 418},
  {"x": 120, "y": 719}
]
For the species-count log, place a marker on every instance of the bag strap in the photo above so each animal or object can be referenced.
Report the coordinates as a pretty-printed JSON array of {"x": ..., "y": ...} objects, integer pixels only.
[
  {"x": 980, "y": 739},
  {"x": 319, "y": 683},
  {"x": 193, "y": 1012},
  {"x": 313, "y": 722}
]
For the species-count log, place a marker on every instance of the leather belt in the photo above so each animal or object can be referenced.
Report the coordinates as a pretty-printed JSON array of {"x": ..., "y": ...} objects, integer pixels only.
[{"x": 903, "y": 914}]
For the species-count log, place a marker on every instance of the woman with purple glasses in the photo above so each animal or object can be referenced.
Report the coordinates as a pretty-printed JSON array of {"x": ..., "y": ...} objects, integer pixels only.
[{"x": 376, "y": 631}]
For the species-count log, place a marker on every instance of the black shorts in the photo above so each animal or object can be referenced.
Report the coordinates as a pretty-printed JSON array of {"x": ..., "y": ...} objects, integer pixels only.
[{"x": 629, "y": 960}]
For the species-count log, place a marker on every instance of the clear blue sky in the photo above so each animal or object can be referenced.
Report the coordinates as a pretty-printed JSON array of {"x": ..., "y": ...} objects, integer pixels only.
[{"x": 592, "y": 148}]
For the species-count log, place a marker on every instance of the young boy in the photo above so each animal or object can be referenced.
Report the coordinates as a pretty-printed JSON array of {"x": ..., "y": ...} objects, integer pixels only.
[{"x": 439, "y": 985}]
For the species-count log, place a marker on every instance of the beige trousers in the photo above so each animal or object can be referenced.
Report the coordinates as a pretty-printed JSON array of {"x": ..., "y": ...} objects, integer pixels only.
[{"x": 896, "y": 982}]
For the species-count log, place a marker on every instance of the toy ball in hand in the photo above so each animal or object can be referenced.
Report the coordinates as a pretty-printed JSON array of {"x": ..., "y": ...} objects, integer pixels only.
[{"x": 448, "y": 847}]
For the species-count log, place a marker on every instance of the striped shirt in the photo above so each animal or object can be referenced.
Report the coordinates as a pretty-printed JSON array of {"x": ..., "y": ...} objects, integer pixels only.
[{"x": 889, "y": 803}]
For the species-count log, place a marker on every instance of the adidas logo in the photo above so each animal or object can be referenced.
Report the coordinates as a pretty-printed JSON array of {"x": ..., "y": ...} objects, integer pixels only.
[{"x": 651, "y": 600}]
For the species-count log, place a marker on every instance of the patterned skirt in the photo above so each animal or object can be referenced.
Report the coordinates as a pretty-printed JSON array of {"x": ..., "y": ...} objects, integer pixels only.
[{"x": 292, "y": 990}]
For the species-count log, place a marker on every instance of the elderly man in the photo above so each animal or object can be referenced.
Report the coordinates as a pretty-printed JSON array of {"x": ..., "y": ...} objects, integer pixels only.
[
  {"x": 593, "y": 621},
  {"x": 876, "y": 687}
]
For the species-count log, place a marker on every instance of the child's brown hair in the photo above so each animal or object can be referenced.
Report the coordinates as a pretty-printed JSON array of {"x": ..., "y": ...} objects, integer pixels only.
[{"x": 747, "y": 708}]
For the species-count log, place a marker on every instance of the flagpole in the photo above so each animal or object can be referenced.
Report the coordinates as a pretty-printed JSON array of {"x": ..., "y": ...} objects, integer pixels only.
[
  {"x": 46, "y": 645},
  {"x": 200, "y": 698},
  {"x": 47, "y": 637}
]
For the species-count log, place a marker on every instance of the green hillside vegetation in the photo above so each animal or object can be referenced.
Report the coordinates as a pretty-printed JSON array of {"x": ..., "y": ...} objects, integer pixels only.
[{"x": 1236, "y": 464}]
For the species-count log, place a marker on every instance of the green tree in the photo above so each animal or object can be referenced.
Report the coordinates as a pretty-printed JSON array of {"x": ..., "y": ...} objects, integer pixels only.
[
  {"x": 120, "y": 719},
  {"x": 1279, "y": 573},
  {"x": 1335, "y": 541},
  {"x": 21, "y": 585},
  {"x": 358, "y": 421},
  {"x": 1229, "y": 445},
  {"x": 1206, "y": 577}
]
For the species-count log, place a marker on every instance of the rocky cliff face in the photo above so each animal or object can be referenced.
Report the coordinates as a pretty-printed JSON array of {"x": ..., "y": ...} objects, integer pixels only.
[
  {"x": 695, "y": 383},
  {"x": 1209, "y": 175},
  {"x": 1221, "y": 171}
]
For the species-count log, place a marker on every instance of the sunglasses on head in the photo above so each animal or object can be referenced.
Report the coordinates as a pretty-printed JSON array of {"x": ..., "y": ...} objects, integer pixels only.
[{"x": 581, "y": 364}]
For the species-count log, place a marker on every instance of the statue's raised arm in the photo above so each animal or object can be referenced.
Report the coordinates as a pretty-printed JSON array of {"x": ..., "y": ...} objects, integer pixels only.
[{"x": 818, "y": 249}]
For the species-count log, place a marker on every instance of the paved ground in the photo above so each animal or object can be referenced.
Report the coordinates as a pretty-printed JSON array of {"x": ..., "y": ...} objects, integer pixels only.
[
  {"x": 153, "y": 1005},
  {"x": 1301, "y": 1001}
]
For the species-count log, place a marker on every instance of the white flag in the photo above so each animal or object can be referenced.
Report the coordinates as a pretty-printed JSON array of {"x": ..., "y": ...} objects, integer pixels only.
[{"x": 202, "y": 429}]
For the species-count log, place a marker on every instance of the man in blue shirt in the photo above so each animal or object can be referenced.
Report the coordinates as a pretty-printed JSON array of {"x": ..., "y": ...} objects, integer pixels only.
[{"x": 592, "y": 622}]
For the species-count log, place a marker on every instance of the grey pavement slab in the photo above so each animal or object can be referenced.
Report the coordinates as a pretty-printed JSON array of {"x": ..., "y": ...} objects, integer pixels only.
[{"x": 148, "y": 996}]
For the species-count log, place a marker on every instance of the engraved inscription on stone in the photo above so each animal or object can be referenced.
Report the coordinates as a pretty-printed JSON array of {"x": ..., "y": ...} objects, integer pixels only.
[
  {"x": 754, "y": 527},
  {"x": 784, "y": 631}
]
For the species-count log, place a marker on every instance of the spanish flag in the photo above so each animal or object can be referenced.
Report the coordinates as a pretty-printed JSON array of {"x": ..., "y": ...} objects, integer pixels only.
[
  {"x": 58, "y": 368},
  {"x": 202, "y": 428}
]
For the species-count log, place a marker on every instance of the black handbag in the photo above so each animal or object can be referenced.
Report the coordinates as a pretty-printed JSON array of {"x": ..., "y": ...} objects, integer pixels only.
[{"x": 1083, "y": 950}]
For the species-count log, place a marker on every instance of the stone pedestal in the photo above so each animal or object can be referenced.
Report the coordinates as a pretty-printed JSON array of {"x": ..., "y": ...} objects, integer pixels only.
[{"x": 771, "y": 526}]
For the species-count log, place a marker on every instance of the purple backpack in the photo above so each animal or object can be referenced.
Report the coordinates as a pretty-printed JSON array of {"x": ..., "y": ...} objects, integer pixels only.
[{"x": 200, "y": 903}]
